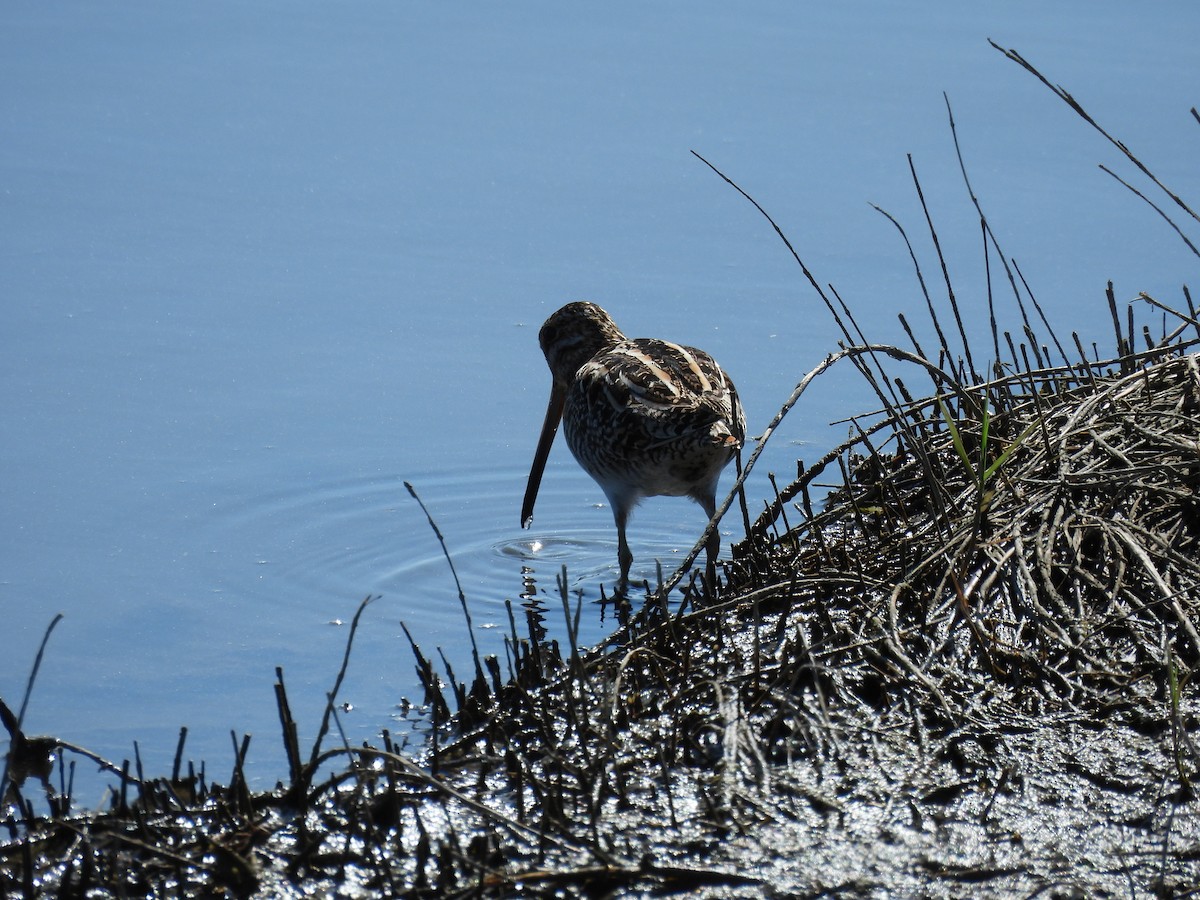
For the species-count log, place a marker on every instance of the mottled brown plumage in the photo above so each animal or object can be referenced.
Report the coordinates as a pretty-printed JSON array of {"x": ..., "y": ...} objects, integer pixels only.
[{"x": 643, "y": 417}]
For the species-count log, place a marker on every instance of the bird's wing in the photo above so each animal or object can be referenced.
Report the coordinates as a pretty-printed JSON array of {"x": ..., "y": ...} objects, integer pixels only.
[{"x": 678, "y": 390}]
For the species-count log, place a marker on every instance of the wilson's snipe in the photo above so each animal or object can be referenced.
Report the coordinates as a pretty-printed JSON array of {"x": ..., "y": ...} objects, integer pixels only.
[{"x": 643, "y": 417}]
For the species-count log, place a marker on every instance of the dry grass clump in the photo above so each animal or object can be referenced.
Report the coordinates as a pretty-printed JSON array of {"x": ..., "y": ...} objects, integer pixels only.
[
  {"x": 1051, "y": 518},
  {"x": 968, "y": 672}
]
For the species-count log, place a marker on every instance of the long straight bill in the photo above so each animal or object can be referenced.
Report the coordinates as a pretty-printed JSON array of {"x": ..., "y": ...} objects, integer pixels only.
[{"x": 554, "y": 411}]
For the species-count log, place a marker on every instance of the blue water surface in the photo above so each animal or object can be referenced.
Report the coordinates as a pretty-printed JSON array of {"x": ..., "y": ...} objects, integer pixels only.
[{"x": 263, "y": 263}]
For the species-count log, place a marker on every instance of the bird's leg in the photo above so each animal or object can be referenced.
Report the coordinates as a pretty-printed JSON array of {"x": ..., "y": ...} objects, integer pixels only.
[
  {"x": 710, "y": 568},
  {"x": 624, "y": 554},
  {"x": 712, "y": 547}
]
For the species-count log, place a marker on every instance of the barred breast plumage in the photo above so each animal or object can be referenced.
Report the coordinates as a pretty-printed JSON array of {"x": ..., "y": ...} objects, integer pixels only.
[{"x": 643, "y": 417}]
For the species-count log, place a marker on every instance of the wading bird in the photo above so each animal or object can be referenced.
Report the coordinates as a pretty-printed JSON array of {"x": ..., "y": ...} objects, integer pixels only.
[{"x": 643, "y": 417}]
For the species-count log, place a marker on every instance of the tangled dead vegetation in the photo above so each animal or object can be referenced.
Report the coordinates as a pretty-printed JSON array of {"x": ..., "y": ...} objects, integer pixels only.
[
  {"x": 1040, "y": 534},
  {"x": 967, "y": 670}
]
